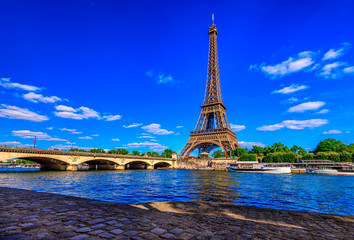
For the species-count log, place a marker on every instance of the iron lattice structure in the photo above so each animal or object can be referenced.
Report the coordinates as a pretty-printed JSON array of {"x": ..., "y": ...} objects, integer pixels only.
[{"x": 213, "y": 129}]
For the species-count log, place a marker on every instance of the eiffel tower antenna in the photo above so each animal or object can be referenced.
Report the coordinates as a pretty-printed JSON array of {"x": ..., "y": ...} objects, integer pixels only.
[
  {"x": 212, "y": 18},
  {"x": 213, "y": 129}
]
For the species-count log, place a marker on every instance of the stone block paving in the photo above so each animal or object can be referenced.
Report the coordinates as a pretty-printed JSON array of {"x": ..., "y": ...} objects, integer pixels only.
[{"x": 33, "y": 215}]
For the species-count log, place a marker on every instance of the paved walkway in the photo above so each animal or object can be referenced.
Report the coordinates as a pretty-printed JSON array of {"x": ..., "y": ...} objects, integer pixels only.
[{"x": 32, "y": 215}]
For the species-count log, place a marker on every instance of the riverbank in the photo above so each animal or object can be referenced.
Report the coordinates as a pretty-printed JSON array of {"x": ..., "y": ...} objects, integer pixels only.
[{"x": 33, "y": 215}]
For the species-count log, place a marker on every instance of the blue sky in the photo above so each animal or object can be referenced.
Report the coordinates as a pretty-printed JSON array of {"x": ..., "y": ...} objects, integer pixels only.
[{"x": 132, "y": 73}]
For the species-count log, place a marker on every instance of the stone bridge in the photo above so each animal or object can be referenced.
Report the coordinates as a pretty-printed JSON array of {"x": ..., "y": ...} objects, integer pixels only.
[{"x": 67, "y": 160}]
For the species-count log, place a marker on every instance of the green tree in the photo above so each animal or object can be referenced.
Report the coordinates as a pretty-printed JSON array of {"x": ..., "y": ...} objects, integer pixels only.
[
  {"x": 149, "y": 154},
  {"x": 97, "y": 150},
  {"x": 257, "y": 150},
  {"x": 136, "y": 153},
  {"x": 289, "y": 157},
  {"x": 278, "y": 147},
  {"x": 334, "y": 156},
  {"x": 345, "y": 156},
  {"x": 167, "y": 153},
  {"x": 268, "y": 150},
  {"x": 322, "y": 156},
  {"x": 248, "y": 157},
  {"x": 329, "y": 145},
  {"x": 308, "y": 156},
  {"x": 241, "y": 151},
  {"x": 295, "y": 149},
  {"x": 122, "y": 151},
  {"x": 218, "y": 154},
  {"x": 77, "y": 150},
  {"x": 155, "y": 154},
  {"x": 113, "y": 151},
  {"x": 348, "y": 148}
]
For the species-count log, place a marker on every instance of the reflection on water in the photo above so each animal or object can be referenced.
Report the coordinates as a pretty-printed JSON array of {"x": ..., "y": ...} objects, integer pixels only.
[{"x": 301, "y": 192}]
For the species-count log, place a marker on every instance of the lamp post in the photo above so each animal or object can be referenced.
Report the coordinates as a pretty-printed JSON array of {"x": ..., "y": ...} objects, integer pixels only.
[{"x": 16, "y": 143}]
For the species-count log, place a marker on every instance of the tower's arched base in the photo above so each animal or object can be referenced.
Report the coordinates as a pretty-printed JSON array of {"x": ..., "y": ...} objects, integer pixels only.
[{"x": 207, "y": 141}]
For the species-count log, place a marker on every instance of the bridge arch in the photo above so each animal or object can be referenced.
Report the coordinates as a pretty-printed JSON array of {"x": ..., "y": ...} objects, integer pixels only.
[
  {"x": 46, "y": 163},
  {"x": 100, "y": 163},
  {"x": 139, "y": 164},
  {"x": 214, "y": 144},
  {"x": 162, "y": 164}
]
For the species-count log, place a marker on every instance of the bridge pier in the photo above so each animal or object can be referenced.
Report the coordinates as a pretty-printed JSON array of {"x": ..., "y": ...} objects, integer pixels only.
[
  {"x": 120, "y": 167},
  {"x": 71, "y": 168},
  {"x": 150, "y": 167}
]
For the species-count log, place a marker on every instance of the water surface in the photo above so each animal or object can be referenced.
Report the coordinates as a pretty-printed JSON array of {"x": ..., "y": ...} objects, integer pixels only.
[{"x": 300, "y": 192}]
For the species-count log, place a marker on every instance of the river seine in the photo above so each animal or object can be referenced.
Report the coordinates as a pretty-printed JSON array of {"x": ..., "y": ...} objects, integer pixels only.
[{"x": 300, "y": 192}]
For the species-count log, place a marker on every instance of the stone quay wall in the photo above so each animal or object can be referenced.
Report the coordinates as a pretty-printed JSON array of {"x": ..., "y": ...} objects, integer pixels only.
[{"x": 206, "y": 164}]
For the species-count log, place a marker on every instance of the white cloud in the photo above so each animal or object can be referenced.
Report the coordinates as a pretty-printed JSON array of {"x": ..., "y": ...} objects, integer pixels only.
[
  {"x": 86, "y": 138},
  {"x": 306, "y": 106},
  {"x": 89, "y": 113},
  {"x": 133, "y": 125},
  {"x": 237, "y": 128},
  {"x": 67, "y": 130},
  {"x": 331, "y": 54},
  {"x": 292, "y": 88},
  {"x": 112, "y": 117},
  {"x": 295, "y": 124},
  {"x": 150, "y": 73},
  {"x": 16, "y": 144},
  {"x": 70, "y": 115},
  {"x": 160, "y": 77},
  {"x": 116, "y": 139},
  {"x": 78, "y": 113},
  {"x": 290, "y": 100},
  {"x": 65, "y": 108},
  {"x": 156, "y": 129},
  {"x": 49, "y": 128},
  {"x": 68, "y": 147},
  {"x": 292, "y": 65},
  {"x": 146, "y": 136},
  {"x": 251, "y": 144},
  {"x": 332, "y": 132},
  {"x": 323, "y": 111},
  {"x": 349, "y": 69},
  {"x": 72, "y": 131},
  {"x": 13, "y": 112},
  {"x": 39, "y": 135},
  {"x": 152, "y": 145},
  {"x": 331, "y": 70},
  {"x": 6, "y": 83},
  {"x": 179, "y": 127},
  {"x": 309, "y": 61},
  {"x": 95, "y": 135},
  {"x": 34, "y": 97}
]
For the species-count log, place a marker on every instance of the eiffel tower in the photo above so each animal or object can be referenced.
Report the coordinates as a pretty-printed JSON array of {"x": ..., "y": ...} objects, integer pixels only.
[{"x": 213, "y": 129}]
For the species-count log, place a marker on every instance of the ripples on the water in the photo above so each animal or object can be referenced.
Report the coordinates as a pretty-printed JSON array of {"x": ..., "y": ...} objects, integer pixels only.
[{"x": 301, "y": 192}]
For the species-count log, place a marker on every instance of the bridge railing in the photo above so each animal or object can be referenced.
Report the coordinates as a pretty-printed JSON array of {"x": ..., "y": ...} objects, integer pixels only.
[{"x": 74, "y": 153}]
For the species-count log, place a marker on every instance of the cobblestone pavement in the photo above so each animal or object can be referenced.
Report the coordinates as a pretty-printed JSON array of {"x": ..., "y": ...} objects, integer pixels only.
[{"x": 32, "y": 215}]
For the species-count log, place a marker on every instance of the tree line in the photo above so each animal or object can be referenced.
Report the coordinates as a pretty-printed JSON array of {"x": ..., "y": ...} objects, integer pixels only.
[
  {"x": 167, "y": 153},
  {"x": 328, "y": 149}
]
